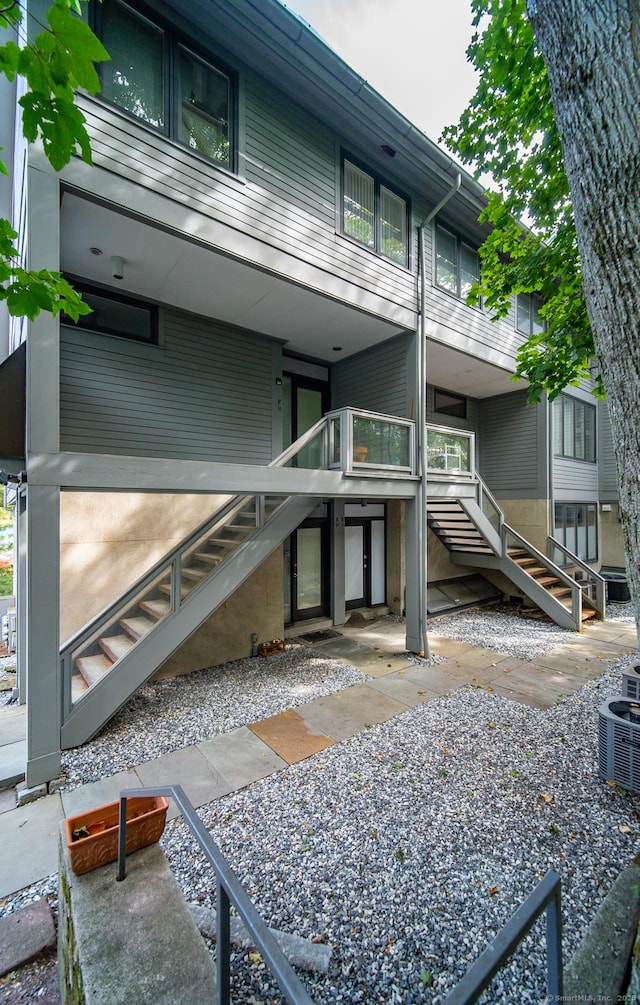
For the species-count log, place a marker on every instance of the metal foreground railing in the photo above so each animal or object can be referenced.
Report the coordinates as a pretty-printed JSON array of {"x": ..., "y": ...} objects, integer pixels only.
[
  {"x": 545, "y": 897},
  {"x": 229, "y": 892}
]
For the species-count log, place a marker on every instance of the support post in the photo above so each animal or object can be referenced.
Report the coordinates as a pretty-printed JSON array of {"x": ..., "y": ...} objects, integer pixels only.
[{"x": 338, "y": 608}]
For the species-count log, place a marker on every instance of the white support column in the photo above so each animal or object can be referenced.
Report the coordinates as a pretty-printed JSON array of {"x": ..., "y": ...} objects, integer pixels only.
[
  {"x": 40, "y": 561},
  {"x": 42, "y": 636},
  {"x": 415, "y": 617},
  {"x": 338, "y": 609}
]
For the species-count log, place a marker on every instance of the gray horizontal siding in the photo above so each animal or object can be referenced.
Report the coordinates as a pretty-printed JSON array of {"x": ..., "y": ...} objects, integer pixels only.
[
  {"x": 205, "y": 394},
  {"x": 512, "y": 454},
  {"x": 608, "y": 473},
  {"x": 468, "y": 328},
  {"x": 574, "y": 479},
  {"x": 439, "y": 419},
  {"x": 288, "y": 199},
  {"x": 377, "y": 379}
]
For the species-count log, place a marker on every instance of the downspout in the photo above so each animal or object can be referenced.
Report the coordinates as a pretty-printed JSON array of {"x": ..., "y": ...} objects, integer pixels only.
[{"x": 421, "y": 416}]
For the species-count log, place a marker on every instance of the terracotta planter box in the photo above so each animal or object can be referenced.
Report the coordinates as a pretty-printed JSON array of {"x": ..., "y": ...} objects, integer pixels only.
[{"x": 92, "y": 837}]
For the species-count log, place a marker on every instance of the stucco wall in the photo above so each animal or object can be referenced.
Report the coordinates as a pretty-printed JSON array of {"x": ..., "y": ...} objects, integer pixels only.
[
  {"x": 530, "y": 517},
  {"x": 108, "y": 540}
]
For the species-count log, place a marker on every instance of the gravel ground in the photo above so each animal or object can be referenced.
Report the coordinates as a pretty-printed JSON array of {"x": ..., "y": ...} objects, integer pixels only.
[
  {"x": 407, "y": 847},
  {"x": 180, "y": 711}
]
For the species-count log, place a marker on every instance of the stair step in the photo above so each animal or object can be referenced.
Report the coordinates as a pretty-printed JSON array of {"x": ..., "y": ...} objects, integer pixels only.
[
  {"x": 195, "y": 574},
  {"x": 158, "y": 609},
  {"x": 137, "y": 628},
  {"x": 547, "y": 581},
  {"x": 166, "y": 589},
  {"x": 116, "y": 646},
  {"x": 93, "y": 668},
  {"x": 473, "y": 549},
  {"x": 79, "y": 687},
  {"x": 205, "y": 556},
  {"x": 516, "y": 553},
  {"x": 526, "y": 562},
  {"x": 559, "y": 591},
  {"x": 223, "y": 542}
]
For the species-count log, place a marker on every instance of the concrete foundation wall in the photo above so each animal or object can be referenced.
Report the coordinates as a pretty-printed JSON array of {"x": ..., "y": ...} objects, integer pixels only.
[
  {"x": 255, "y": 608},
  {"x": 530, "y": 517},
  {"x": 439, "y": 564},
  {"x": 108, "y": 540}
]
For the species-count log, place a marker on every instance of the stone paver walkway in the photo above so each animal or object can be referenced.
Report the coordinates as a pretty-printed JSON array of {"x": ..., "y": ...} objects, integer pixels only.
[{"x": 208, "y": 770}]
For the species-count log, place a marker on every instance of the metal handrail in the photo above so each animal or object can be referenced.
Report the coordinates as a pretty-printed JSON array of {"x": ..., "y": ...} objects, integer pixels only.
[
  {"x": 576, "y": 592},
  {"x": 229, "y": 892},
  {"x": 545, "y": 897},
  {"x": 594, "y": 578}
]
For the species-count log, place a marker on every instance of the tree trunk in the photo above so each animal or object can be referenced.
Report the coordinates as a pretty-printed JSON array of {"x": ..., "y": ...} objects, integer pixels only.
[{"x": 592, "y": 52}]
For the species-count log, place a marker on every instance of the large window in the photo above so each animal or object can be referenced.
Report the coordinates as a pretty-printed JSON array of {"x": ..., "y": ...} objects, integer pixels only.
[
  {"x": 153, "y": 76},
  {"x": 574, "y": 428},
  {"x": 116, "y": 315},
  {"x": 528, "y": 320},
  {"x": 373, "y": 214},
  {"x": 449, "y": 403},
  {"x": 575, "y": 526},
  {"x": 457, "y": 264}
]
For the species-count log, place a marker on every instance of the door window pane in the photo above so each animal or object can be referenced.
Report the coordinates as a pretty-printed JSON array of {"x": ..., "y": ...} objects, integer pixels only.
[
  {"x": 203, "y": 117},
  {"x": 359, "y": 205},
  {"x": 354, "y": 562},
  {"x": 133, "y": 78},
  {"x": 377, "y": 563},
  {"x": 309, "y": 578}
]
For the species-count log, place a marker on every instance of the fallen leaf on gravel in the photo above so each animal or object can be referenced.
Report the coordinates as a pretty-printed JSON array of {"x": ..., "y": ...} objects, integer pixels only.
[
  {"x": 493, "y": 890},
  {"x": 624, "y": 829},
  {"x": 255, "y": 957},
  {"x": 488, "y": 689},
  {"x": 612, "y": 784},
  {"x": 547, "y": 798}
]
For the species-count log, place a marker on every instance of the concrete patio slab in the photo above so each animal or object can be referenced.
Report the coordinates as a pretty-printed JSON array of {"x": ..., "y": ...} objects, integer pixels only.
[
  {"x": 107, "y": 790},
  {"x": 189, "y": 768},
  {"x": 374, "y": 661},
  {"x": 403, "y": 690},
  {"x": 344, "y": 714},
  {"x": 434, "y": 678},
  {"x": 29, "y": 835},
  {"x": 12, "y": 763},
  {"x": 241, "y": 757},
  {"x": 291, "y": 737},
  {"x": 24, "y": 934},
  {"x": 13, "y": 723}
]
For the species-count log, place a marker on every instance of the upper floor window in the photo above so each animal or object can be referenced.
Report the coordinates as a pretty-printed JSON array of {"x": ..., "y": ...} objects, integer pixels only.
[
  {"x": 528, "y": 320},
  {"x": 373, "y": 214},
  {"x": 113, "y": 314},
  {"x": 457, "y": 264},
  {"x": 153, "y": 76},
  {"x": 574, "y": 428}
]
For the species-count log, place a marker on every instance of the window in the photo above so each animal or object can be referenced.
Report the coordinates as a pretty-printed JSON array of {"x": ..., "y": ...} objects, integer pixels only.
[
  {"x": 153, "y": 76},
  {"x": 449, "y": 403},
  {"x": 116, "y": 315},
  {"x": 575, "y": 526},
  {"x": 574, "y": 428},
  {"x": 373, "y": 214},
  {"x": 528, "y": 320},
  {"x": 457, "y": 264}
]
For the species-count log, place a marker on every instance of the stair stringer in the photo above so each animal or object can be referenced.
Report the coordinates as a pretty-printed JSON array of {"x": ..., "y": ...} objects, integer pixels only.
[
  {"x": 104, "y": 699},
  {"x": 523, "y": 582},
  {"x": 482, "y": 524}
]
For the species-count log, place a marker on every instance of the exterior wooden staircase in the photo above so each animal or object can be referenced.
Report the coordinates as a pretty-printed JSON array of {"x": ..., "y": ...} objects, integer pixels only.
[{"x": 475, "y": 534}]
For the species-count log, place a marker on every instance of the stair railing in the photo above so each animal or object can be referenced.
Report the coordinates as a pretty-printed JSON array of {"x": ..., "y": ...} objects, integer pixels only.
[
  {"x": 229, "y": 893},
  {"x": 594, "y": 585},
  {"x": 508, "y": 533},
  {"x": 545, "y": 897},
  {"x": 489, "y": 506}
]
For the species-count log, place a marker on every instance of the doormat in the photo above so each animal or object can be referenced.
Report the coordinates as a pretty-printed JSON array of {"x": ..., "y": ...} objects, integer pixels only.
[{"x": 321, "y": 636}]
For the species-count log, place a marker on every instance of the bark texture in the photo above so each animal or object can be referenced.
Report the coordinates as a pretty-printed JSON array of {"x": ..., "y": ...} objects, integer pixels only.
[{"x": 592, "y": 52}]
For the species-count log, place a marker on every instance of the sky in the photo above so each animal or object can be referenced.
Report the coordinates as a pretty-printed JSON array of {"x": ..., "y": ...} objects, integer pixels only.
[{"x": 412, "y": 51}]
